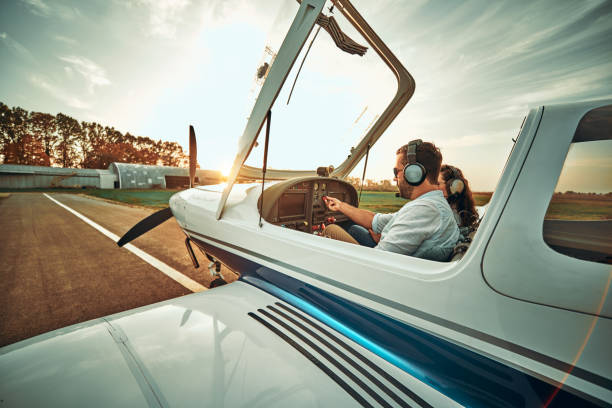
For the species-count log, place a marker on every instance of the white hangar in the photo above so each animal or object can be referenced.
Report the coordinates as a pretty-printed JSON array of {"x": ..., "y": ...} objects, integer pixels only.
[{"x": 118, "y": 175}]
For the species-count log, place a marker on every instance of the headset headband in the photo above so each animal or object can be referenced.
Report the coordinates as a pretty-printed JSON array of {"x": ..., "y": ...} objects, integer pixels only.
[{"x": 411, "y": 153}]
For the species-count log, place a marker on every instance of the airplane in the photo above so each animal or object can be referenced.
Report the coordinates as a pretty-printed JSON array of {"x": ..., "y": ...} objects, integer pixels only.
[{"x": 513, "y": 321}]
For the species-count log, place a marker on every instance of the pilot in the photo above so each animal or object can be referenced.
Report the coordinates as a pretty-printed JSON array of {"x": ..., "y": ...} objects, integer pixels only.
[{"x": 424, "y": 227}]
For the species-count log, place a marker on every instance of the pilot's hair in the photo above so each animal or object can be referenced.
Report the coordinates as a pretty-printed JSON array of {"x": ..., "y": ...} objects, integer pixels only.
[
  {"x": 464, "y": 201},
  {"x": 428, "y": 155}
]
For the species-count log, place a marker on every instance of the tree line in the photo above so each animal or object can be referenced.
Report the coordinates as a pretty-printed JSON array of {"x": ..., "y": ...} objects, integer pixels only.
[
  {"x": 372, "y": 185},
  {"x": 41, "y": 139}
]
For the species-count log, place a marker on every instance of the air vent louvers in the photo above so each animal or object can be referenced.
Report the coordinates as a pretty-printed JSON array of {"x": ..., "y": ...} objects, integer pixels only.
[{"x": 286, "y": 322}]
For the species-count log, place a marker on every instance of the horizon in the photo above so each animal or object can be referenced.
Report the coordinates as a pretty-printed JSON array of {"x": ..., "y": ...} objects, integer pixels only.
[{"x": 152, "y": 68}]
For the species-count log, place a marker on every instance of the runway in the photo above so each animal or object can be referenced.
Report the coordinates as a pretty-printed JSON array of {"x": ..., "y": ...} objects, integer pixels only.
[{"x": 57, "y": 270}]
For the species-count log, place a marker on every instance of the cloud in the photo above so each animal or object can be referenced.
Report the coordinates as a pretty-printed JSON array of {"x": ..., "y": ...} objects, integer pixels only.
[
  {"x": 567, "y": 85},
  {"x": 65, "y": 40},
  {"x": 16, "y": 48},
  {"x": 42, "y": 9},
  {"x": 478, "y": 139},
  {"x": 38, "y": 7},
  {"x": 58, "y": 93},
  {"x": 590, "y": 162},
  {"x": 164, "y": 16},
  {"x": 93, "y": 74}
]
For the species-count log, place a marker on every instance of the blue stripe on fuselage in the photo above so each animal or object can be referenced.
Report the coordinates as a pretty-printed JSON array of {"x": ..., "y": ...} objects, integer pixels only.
[
  {"x": 336, "y": 325},
  {"x": 463, "y": 375}
]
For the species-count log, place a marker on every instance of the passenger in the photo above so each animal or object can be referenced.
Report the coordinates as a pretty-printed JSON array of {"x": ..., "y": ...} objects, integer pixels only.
[
  {"x": 424, "y": 227},
  {"x": 457, "y": 191}
]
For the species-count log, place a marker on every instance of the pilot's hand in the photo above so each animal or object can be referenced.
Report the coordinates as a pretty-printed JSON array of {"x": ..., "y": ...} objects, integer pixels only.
[
  {"x": 332, "y": 203},
  {"x": 375, "y": 236}
]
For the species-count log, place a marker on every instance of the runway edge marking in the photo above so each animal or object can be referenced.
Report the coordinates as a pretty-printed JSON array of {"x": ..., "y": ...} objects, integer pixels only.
[{"x": 156, "y": 263}]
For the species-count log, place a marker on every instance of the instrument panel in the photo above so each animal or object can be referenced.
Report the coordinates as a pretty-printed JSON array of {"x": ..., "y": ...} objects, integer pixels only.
[{"x": 298, "y": 203}]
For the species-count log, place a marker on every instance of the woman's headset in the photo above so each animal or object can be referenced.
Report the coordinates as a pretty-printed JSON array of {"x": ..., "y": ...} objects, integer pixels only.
[
  {"x": 455, "y": 184},
  {"x": 414, "y": 172}
]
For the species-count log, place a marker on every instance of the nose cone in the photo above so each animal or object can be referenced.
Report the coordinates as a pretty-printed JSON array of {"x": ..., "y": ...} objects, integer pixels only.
[{"x": 178, "y": 205}]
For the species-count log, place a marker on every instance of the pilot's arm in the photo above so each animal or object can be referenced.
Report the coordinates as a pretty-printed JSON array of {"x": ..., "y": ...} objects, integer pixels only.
[{"x": 359, "y": 216}]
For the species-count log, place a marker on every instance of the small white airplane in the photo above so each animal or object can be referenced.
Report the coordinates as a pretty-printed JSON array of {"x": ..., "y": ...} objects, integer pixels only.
[{"x": 513, "y": 322}]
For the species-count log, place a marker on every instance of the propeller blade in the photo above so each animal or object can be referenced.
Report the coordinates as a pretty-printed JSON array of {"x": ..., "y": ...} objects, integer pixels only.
[
  {"x": 145, "y": 225},
  {"x": 193, "y": 156}
]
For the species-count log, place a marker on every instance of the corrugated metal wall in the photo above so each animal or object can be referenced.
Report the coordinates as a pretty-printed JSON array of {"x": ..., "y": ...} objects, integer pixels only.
[
  {"x": 143, "y": 176},
  {"x": 18, "y": 176},
  {"x": 43, "y": 181},
  {"x": 118, "y": 175}
]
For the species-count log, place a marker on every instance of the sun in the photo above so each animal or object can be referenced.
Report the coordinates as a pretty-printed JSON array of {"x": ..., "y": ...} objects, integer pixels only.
[{"x": 226, "y": 168}]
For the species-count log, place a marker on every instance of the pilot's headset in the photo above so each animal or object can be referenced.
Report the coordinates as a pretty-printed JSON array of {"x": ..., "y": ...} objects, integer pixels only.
[
  {"x": 455, "y": 185},
  {"x": 414, "y": 172}
]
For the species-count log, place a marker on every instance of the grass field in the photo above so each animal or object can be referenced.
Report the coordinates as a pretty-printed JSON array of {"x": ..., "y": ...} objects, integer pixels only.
[
  {"x": 381, "y": 201},
  {"x": 377, "y": 201},
  {"x": 577, "y": 209},
  {"x": 572, "y": 207},
  {"x": 386, "y": 202},
  {"x": 561, "y": 208},
  {"x": 145, "y": 198}
]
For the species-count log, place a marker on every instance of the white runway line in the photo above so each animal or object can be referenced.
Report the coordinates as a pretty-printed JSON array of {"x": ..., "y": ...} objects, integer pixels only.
[{"x": 156, "y": 263}]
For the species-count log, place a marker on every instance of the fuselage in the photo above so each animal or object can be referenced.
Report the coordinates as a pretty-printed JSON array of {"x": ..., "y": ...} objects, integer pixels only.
[{"x": 450, "y": 300}]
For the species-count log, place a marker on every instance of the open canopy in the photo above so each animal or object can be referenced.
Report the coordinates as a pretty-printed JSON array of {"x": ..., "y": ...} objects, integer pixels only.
[{"x": 309, "y": 14}]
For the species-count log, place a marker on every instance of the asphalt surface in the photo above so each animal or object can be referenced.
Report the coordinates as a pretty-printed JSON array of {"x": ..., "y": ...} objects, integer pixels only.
[
  {"x": 587, "y": 235},
  {"x": 588, "y": 240},
  {"x": 56, "y": 270}
]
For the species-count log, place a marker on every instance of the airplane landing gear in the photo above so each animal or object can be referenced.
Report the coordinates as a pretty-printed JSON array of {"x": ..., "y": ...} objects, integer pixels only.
[{"x": 215, "y": 270}]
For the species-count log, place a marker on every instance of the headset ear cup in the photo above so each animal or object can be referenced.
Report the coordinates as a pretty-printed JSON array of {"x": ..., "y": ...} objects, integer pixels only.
[
  {"x": 456, "y": 186},
  {"x": 414, "y": 173}
]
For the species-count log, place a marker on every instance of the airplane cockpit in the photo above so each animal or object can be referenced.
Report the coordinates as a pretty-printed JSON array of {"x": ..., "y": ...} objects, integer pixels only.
[{"x": 298, "y": 203}]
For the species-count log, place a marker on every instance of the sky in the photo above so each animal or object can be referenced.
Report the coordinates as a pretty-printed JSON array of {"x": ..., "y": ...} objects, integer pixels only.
[{"x": 153, "y": 67}]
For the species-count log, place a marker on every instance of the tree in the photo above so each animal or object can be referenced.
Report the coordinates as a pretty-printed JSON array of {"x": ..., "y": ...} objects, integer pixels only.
[
  {"x": 43, "y": 129},
  {"x": 5, "y": 120},
  {"x": 171, "y": 154},
  {"x": 13, "y": 134},
  {"x": 387, "y": 186},
  {"x": 91, "y": 140},
  {"x": 68, "y": 130},
  {"x": 43, "y": 139},
  {"x": 32, "y": 152}
]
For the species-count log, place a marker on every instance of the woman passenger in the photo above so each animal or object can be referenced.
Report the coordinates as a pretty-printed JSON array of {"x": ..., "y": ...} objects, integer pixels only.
[{"x": 458, "y": 194}]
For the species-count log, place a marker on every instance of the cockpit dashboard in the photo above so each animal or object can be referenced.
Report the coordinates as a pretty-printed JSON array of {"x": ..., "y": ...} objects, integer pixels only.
[{"x": 298, "y": 203}]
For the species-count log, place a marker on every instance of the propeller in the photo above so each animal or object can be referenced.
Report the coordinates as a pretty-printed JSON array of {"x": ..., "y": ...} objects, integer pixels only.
[
  {"x": 193, "y": 156},
  {"x": 159, "y": 217},
  {"x": 145, "y": 225}
]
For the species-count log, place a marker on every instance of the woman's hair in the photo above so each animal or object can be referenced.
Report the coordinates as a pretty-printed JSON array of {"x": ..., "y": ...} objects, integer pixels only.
[{"x": 462, "y": 201}]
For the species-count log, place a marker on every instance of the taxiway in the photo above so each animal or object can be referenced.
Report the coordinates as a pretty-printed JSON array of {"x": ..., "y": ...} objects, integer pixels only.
[{"x": 56, "y": 269}]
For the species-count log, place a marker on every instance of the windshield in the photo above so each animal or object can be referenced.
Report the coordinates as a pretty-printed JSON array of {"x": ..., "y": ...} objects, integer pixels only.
[{"x": 336, "y": 98}]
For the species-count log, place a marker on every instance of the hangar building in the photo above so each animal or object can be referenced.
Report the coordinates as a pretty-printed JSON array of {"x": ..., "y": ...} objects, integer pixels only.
[{"x": 118, "y": 175}]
